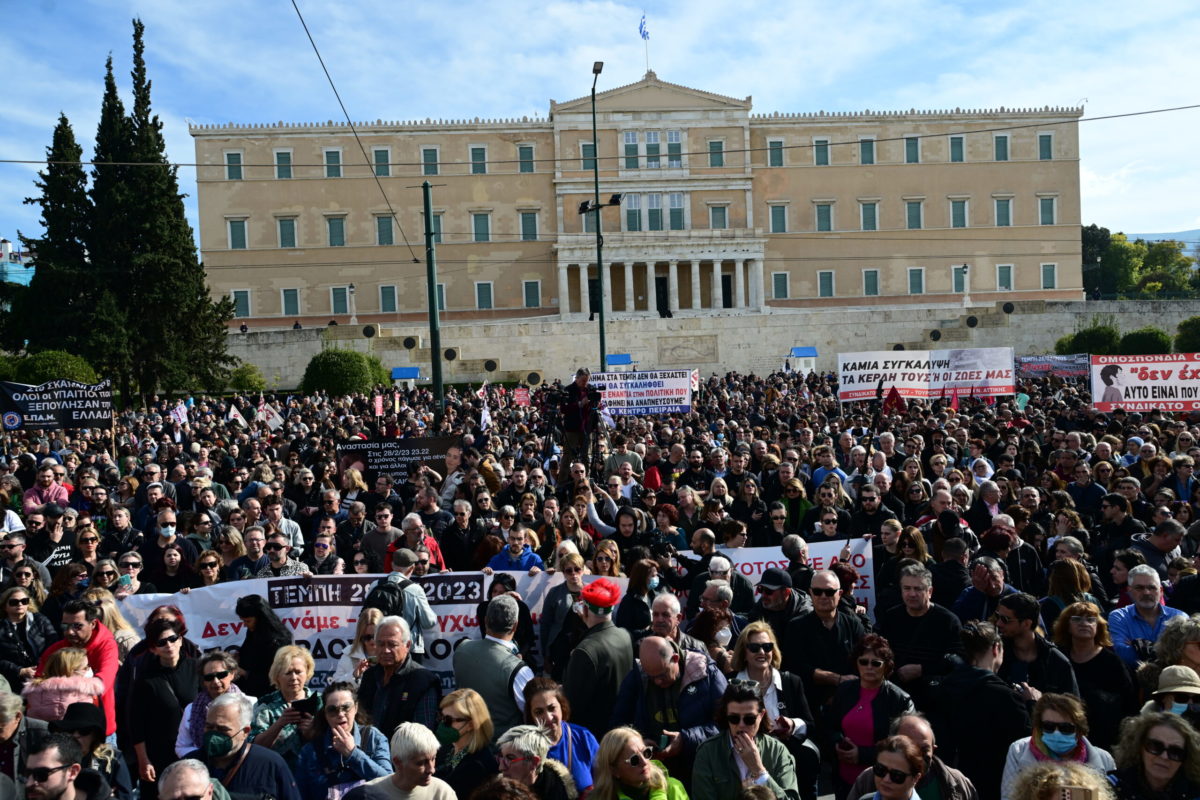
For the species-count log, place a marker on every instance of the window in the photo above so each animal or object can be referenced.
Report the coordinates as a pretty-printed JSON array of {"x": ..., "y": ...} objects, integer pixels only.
[
  {"x": 821, "y": 152},
  {"x": 283, "y": 164},
  {"x": 233, "y": 165},
  {"x": 589, "y": 222},
  {"x": 587, "y": 151},
  {"x": 866, "y": 151},
  {"x": 958, "y": 279},
  {"x": 633, "y": 212},
  {"x": 481, "y": 227},
  {"x": 718, "y": 218},
  {"x": 533, "y": 294},
  {"x": 824, "y": 216},
  {"x": 333, "y": 163},
  {"x": 287, "y": 231},
  {"x": 958, "y": 213},
  {"x": 674, "y": 149},
  {"x": 479, "y": 161},
  {"x": 778, "y": 219},
  {"x": 716, "y": 154},
  {"x": 1049, "y": 276},
  {"x": 631, "y": 150},
  {"x": 383, "y": 162},
  {"x": 387, "y": 299},
  {"x": 429, "y": 161},
  {"x": 1045, "y": 146},
  {"x": 1004, "y": 277},
  {"x": 437, "y": 228},
  {"x": 779, "y": 285},
  {"x": 483, "y": 295},
  {"x": 383, "y": 230},
  {"x": 912, "y": 150},
  {"x": 290, "y": 302},
  {"x": 237, "y": 234},
  {"x": 956, "y": 149},
  {"x": 775, "y": 153},
  {"x": 525, "y": 158},
  {"x": 1000, "y": 146},
  {"x": 825, "y": 283},
  {"x": 916, "y": 280},
  {"x": 652, "y": 150},
  {"x": 336, "y": 228},
  {"x": 912, "y": 214},
  {"x": 1003, "y": 212},
  {"x": 339, "y": 300},
  {"x": 654, "y": 215},
  {"x": 241, "y": 302},
  {"x": 529, "y": 226},
  {"x": 1046, "y": 210},
  {"x": 441, "y": 297},
  {"x": 870, "y": 216},
  {"x": 870, "y": 282},
  {"x": 676, "y": 211}
]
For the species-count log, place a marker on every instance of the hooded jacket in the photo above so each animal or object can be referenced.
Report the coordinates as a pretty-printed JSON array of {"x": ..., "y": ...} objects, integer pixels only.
[
  {"x": 102, "y": 655},
  {"x": 701, "y": 687}
]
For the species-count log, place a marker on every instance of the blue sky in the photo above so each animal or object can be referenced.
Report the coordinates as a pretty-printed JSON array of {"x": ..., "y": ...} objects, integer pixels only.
[{"x": 217, "y": 61}]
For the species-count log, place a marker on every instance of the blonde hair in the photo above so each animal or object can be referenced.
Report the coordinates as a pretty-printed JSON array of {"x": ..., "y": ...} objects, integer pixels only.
[
  {"x": 110, "y": 615},
  {"x": 66, "y": 662},
  {"x": 604, "y": 785},
  {"x": 283, "y": 660},
  {"x": 469, "y": 703},
  {"x": 366, "y": 618}
]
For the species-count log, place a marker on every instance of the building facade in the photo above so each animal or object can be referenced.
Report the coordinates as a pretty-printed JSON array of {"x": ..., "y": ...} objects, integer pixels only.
[{"x": 722, "y": 211}]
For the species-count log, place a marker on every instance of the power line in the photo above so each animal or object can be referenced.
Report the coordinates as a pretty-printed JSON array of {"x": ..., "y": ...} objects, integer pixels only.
[{"x": 353, "y": 130}]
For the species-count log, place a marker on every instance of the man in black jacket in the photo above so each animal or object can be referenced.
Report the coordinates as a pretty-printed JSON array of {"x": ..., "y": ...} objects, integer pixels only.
[
  {"x": 1031, "y": 662},
  {"x": 921, "y": 634},
  {"x": 950, "y": 577},
  {"x": 778, "y": 602},
  {"x": 819, "y": 644}
]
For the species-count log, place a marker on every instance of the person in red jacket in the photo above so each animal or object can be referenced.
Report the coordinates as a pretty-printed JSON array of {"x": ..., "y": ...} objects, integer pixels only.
[{"x": 81, "y": 627}]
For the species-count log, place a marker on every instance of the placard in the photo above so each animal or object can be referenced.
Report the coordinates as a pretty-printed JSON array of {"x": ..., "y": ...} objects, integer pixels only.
[
  {"x": 1072, "y": 366},
  {"x": 56, "y": 404},
  {"x": 398, "y": 457},
  {"x": 975, "y": 372},
  {"x": 661, "y": 392},
  {"x": 1143, "y": 383}
]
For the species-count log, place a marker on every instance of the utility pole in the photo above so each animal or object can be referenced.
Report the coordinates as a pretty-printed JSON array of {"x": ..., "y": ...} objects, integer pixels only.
[{"x": 435, "y": 330}]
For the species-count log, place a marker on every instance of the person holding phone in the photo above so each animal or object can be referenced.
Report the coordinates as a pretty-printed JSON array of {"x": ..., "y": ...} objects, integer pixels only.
[{"x": 283, "y": 719}]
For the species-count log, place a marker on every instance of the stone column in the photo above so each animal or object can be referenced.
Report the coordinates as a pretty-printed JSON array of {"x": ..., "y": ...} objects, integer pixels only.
[
  {"x": 716, "y": 283},
  {"x": 739, "y": 280},
  {"x": 606, "y": 289},
  {"x": 585, "y": 300},
  {"x": 651, "y": 293},
  {"x": 695, "y": 285},
  {"x": 630, "y": 304},
  {"x": 564, "y": 292},
  {"x": 756, "y": 280},
  {"x": 673, "y": 286}
]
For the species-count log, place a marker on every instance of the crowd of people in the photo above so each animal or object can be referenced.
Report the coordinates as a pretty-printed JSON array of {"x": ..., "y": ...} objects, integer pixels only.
[{"x": 1036, "y": 621}]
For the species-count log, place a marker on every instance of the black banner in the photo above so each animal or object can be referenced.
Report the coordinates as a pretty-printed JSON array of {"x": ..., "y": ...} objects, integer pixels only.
[
  {"x": 1072, "y": 366},
  {"x": 56, "y": 404},
  {"x": 398, "y": 457}
]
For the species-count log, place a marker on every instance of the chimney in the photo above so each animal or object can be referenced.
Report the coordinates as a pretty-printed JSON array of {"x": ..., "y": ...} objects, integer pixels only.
[{"x": 6, "y": 249}]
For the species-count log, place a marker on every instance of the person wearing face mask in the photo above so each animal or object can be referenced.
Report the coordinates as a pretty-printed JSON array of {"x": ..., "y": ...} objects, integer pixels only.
[
  {"x": 232, "y": 758},
  {"x": 1059, "y": 734},
  {"x": 644, "y": 585},
  {"x": 465, "y": 759},
  {"x": 1178, "y": 693},
  {"x": 165, "y": 533}
]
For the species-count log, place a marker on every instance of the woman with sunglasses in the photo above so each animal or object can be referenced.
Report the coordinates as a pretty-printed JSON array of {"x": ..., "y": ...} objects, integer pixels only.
[
  {"x": 227, "y": 541},
  {"x": 24, "y": 636},
  {"x": 561, "y": 627},
  {"x": 607, "y": 561},
  {"x": 130, "y": 566},
  {"x": 217, "y": 671},
  {"x": 1059, "y": 734},
  {"x": 897, "y": 768},
  {"x": 465, "y": 758},
  {"x": 209, "y": 568},
  {"x": 742, "y": 745},
  {"x": 623, "y": 770},
  {"x": 366, "y": 562},
  {"x": 796, "y": 504},
  {"x": 167, "y": 684},
  {"x": 863, "y": 709},
  {"x": 105, "y": 575},
  {"x": 359, "y": 656},
  {"x": 341, "y": 753},
  {"x": 25, "y": 575},
  {"x": 750, "y": 509},
  {"x": 87, "y": 545},
  {"x": 1157, "y": 756}
]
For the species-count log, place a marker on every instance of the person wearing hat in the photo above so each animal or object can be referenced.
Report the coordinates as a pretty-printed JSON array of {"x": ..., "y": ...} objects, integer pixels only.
[
  {"x": 778, "y": 603},
  {"x": 600, "y": 661},
  {"x": 85, "y": 722},
  {"x": 1178, "y": 693}
]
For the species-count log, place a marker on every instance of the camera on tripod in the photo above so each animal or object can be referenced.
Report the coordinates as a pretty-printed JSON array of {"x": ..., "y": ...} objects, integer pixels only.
[{"x": 595, "y": 392}]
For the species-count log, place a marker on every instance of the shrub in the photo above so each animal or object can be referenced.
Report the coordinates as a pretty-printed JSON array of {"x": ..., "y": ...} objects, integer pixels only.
[
  {"x": 1065, "y": 346},
  {"x": 380, "y": 375},
  {"x": 338, "y": 372},
  {"x": 247, "y": 378},
  {"x": 51, "y": 365},
  {"x": 1146, "y": 341},
  {"x": 1099, "y": 340},
  {"x": 1187, "y": 336},
  {"x": 8, "y": 367}
]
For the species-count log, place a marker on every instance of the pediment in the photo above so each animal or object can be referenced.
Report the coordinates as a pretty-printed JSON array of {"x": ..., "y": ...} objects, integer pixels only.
[{"x": 652, "y": 94}]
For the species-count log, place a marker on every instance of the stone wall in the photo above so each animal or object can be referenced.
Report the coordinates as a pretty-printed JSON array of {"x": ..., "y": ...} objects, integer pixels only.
[{"x": 722, "y": 341}]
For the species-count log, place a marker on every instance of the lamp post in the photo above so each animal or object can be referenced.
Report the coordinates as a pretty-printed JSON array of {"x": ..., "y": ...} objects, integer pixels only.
[
  {"x": 594, "y": 207},
  {"x": 353, "y": 311}
]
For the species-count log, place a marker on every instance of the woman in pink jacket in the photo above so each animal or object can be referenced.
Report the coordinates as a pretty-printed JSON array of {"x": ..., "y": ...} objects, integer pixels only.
[{"x": 68, "y": 680}]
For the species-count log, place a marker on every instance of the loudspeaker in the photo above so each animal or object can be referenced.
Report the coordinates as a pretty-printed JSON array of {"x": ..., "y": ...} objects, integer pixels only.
[
  {"x": 411, "y": 342},
  {"x": 370, "y": 330},
  {"x": 450, "y": 353},
  {"x": 897, "y": 347},
  {"x": 972, "y": 321},
  {"x": 935, "y": 335},
  {"x": 490, "y": 365},
  {"x": 534, "y": 379},
  {"x": 1008, "y": 308}
]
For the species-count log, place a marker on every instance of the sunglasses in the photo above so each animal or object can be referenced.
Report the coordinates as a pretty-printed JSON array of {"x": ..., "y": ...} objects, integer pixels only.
[
  {"x": 320, "y": 546},
  {"x": 360, "y": 562},
  {"x": 166, "y": 640},
  {"x": 1004, "y": 619},
  {"x": 1173, "y": 752},
  {"x": 778, "y": 518},
  {"x": 1085, "y": 620},
  {"x": 274, "y": 546},
  {"x": 449, "y": 720},
  {"x": 367, "y": 637},
  {"x": 1061, "y": 727},
  {"x": 823, "y": 592},
  {"x": 42, "y": 774},
  {"x": 894, "y": 775},
  {"x": 72, "y": 626},
  {"x": 637, "y": 759},
  {"x": 341, "y": 708},
  {"x": 875, "y": 663},
  {"x": 760, "y": 647},
  {"x": 216, "y": 676},
  {"x": 89, "y": 540},
  {"x": 131, "y": 565},
  {"x": 208, "y": 565},
  {"x": 732, "y": 720},
  {"x": 107, "y": 573},
  {"x": 13, "y": 602}
]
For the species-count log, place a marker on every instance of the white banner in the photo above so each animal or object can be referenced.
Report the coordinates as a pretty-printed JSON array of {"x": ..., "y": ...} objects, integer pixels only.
[
  {"x": 1143, "y": 383},
  {"x": 975, "y": 372},
  {"x": 662, "y": 392}
]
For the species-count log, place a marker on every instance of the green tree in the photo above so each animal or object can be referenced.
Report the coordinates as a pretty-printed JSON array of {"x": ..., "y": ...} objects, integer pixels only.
[
  {"x": 1100, "y": 340},
  {"x": 51, "y": 365},
  {"x": 1095, "y": 242},
  {"x": 1146, "y": 341},
  {"x": 338, "y": 372},
  {"x": 1187, "y": 336},
  {"x": 1120, "y": 264},
  {"x": 380, "y": 375},
  {"x": 247, "y": 378}
]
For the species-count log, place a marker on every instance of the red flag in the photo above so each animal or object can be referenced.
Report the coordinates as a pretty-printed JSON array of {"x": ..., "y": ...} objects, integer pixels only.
[
  {"x": 894, "y": 403},
  {"x": 954, "y": 398}
]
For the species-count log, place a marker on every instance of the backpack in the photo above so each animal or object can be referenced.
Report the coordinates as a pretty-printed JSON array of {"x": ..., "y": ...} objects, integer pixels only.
[{"x": 388, "y": 597}]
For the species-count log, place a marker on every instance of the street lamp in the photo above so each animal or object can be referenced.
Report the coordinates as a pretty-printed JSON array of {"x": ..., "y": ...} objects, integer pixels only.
[{"x": 594, "y": 207}]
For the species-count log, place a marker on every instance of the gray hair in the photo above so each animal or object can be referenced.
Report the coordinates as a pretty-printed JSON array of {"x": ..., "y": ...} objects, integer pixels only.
[
  {"x": 1071, "y": 543},
  {"x": 793, "y": 545},
  {"x": 1144, "y": 569},
  {"x": 528, "y": 740},
  {"x": 358, "y": 507},
  {"x": 502, "y": 615},
  {"x": 917, "y": 571},
  {"x": 670, "y": 600},
  {"x": 192, "y": 765},
  {"x": 412, "y": 739},
  {"x": 239, "y": 702},
  {"x": 10, "y": 705},
  {"x": 461, "y": 505},
  {"x": 724, "y": 593},
  {"x": 411, "y": 521},
  {"x": 988, "y": 486},
  {"x": 719, "y": 564},
  {"x": 395, "y": 622}
]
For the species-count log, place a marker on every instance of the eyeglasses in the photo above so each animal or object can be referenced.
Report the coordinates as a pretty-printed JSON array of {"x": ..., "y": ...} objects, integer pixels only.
[
  {"x": 107, "y": 573},
  {"x": 341, "y": 708},
  {"x": 13, "y": 602},
  {"x": 733, "y": 720},
  {"x": 875, "y": 663},
  {"x": 509, "y": 758},
  {"x": 131, "y": 565},
  {"x": 1085, "y": 620},
  {"x": 572, "y": 570},
  {"x": 167, "y": 640},
  {"x": 830, "y": 521},
  {"x": 208, "y": 565},
  {"x": 274, "y": 546},
  {"x": 1154, "y": 747},
  {"x": 424, "y": 562},
  {"x": 320, "y": 546},
  {"x": 42, "y": 774},
  {"x": 779, "y": 517},
  {"x": 893, "y": 775},
  {"x": 1004, "y": 619},
  {"x": 1061, "y": 727},
  {"x": 216, "y": 676},
  {"x": 760, "y": 647},
  {"x": 823, "y": 592},
  {"x": 89, "y": 540},
  {"x": 637, "y": 759}
]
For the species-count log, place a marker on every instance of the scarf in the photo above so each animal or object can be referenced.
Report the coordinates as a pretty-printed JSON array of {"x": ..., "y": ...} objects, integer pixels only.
[{"x": 200, "y": 713}]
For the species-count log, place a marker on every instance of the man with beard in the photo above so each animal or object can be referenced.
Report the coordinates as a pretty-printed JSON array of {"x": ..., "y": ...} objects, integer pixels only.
[
  {"x": 54, "y": 771},
  {"x": 778, "y": 603}
]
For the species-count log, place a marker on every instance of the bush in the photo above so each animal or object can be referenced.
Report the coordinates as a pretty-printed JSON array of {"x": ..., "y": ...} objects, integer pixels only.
[
  {"x": 247, "y": 378},
  {"x": 380, "y": 375},
  {"x": 53, "y": 365},
  {"x": 1148, "y": 341},
  {"x": 1187, "y": 336},
  {"x": 1099, "y": 340},
  {"x": 8, "y": 367},
  {"x": 1065, "y": 346},
  {"x": 338, "y": 372}
]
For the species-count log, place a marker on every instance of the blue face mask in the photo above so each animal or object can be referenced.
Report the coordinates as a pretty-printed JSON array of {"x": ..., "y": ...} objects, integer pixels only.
[
  {"x": 1059, "y": 743},
  {"x": 654, "y": 585},
  {"x": 1179, "y": 708}
]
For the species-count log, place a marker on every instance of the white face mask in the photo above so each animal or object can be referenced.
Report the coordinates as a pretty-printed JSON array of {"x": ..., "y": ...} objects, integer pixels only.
[{"x": 724, "y": 636}]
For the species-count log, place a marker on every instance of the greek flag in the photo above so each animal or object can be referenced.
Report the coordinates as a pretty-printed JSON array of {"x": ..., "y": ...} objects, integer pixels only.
[{"x": 642, "y": 28}]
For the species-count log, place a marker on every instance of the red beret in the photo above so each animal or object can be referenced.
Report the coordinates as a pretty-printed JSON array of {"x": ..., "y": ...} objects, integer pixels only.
[{"x": 601, "y": 593}]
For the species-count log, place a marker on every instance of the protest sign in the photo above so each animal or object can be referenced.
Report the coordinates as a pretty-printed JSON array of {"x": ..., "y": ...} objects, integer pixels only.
[
  {"x": 662, "y": 392},
  {"x": 975, "y": 372},
  {"x": 1142, "y": 383},
  {"x": 398, "y": 457},
  {"x": 1072, "y": 366},
  {"x": 56, "y": 404}
]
